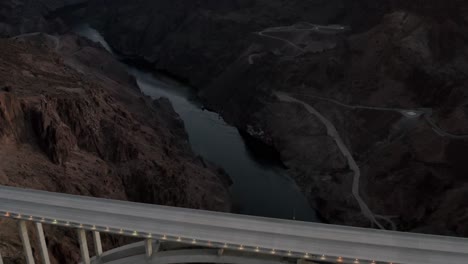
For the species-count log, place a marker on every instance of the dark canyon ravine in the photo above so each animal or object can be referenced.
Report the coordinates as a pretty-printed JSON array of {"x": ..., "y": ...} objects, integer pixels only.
[{"x": 260, "y": 188}]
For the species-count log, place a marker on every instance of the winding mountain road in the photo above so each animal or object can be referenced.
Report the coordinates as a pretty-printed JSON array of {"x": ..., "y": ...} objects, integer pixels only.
[
  {"x": 264, "y": 34},
  {"x": 408, "y": 113},
  {"x": 295, "y": 28},
  {"x": 440, "y": 131},
  {"x": 333, "y": 133}
]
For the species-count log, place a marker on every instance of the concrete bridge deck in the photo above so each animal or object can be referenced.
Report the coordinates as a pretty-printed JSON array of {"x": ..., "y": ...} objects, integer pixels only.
[{"x": 234, "y": 233}]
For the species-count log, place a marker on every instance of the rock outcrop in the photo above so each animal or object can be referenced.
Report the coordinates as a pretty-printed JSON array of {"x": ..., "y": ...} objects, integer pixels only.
[
  {"x": 73, "y": 121},
  {"x": 11, "y": 116}
]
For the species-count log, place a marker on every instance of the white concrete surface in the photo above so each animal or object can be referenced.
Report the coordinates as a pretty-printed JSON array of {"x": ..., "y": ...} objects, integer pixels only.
[
  {"x": 234, "y": 232},
  {"x": 42, "y": 244},
  {"x": 23, "y": 231},
  {"x": 149, "y": 247},
  {"x": 126, "y": 251},
  {"x": 199, "y": 256},
  {"x": 84, "y": 251},
  {"x": 97, "y": 243}
]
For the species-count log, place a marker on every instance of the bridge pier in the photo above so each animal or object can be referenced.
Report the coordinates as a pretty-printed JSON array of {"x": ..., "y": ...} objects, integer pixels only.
[
  {"x": 23, "y": 231},
  {"x": 42, "y": 244},
  {"x": 97, "y": 244},
  {"x": 83, "y": 246},
  {"x": 149, "y": 247}
]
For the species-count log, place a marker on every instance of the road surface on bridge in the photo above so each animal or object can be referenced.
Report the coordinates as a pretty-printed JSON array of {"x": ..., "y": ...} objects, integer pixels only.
[{"x": 255, "y": 234}]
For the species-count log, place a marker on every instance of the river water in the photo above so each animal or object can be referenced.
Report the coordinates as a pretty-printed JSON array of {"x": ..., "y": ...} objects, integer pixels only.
[{"x": 260, "y": 188}]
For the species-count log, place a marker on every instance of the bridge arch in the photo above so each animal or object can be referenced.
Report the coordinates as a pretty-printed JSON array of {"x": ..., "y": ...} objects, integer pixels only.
[
  {"x": 196, "y": 256},
  {"x": 244, "y": 239}
]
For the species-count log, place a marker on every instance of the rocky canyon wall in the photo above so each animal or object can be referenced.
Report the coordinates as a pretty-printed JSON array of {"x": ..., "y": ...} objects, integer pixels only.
[
  {"x": 73, "y": 121},
  {"x": 390, "y": 56}
]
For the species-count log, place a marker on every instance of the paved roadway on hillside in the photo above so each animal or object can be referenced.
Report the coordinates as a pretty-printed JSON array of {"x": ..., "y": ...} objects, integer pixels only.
[
  {"x": 333, "y": 133},
  {"x": 408, "y": 113},
  {"x": 235, "y": 231},
  {"x": 295, "y": 28},
  {"x": 298, "y": 28}
]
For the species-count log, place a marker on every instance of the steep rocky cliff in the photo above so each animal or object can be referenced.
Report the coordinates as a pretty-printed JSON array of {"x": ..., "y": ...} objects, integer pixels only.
[
  {"x": 391, "y": 81},
  {"x": 72, "y": 120},
  {"x": 389, "y": 87},
  {"x": 26, "y": 16}
]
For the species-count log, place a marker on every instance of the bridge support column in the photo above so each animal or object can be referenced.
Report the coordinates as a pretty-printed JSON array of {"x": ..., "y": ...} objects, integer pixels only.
[
  {"x": 149, "y": 247},
  {"x": 42, "y": 244},
  {"x": 1, "y": 259},
  {"x": 23, "y": 231},
  {"x": 83, "y": 246},
  {"x": 97, "y": 244}
]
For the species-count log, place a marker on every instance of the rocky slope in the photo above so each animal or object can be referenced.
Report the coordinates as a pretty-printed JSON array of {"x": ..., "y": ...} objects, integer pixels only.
[
  {"x": 25, "y": 16},
  {"x": 394, "y": 55},
  {"x": 72, "y": 120},
  {"x": 179, "y": 36}
]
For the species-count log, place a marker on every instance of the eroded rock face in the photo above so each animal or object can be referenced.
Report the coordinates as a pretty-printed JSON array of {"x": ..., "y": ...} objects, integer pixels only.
[
  {"x": 11, "y": 117},
  {"x": 72, "y": 121},
  {"x": 407, "y": 172},
  {"x": 397, "y": 55},
  {"x": 54, "y": 137}
]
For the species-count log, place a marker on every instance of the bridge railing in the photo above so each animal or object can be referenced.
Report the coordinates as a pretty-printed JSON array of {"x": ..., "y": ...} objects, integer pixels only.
[{"x": 291, "y": 240}]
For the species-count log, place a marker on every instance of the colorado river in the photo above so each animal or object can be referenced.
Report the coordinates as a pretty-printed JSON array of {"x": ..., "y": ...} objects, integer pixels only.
[{"x": 259, "y": 188}]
